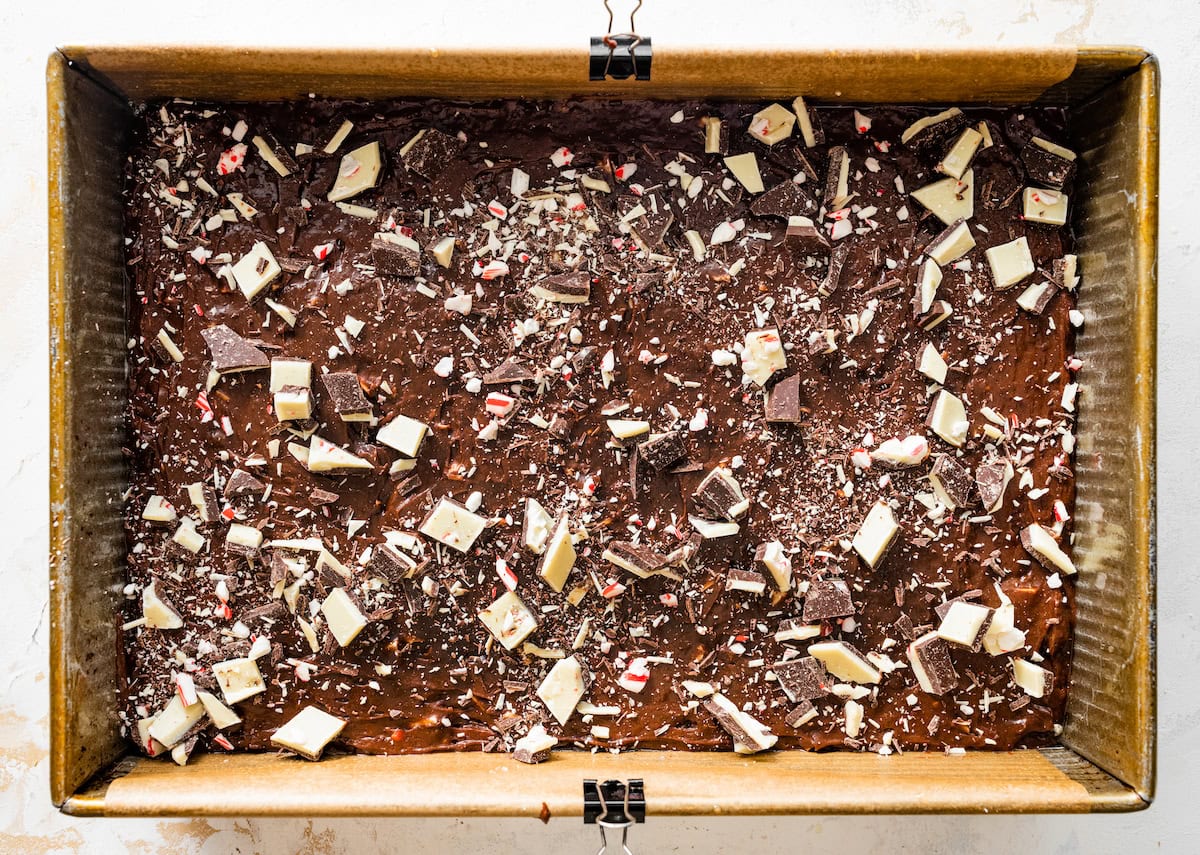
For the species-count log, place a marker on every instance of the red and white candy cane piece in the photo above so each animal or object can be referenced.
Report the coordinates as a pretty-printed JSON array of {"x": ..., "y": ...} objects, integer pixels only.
[
  {"x": 636, "y": 676},
  {"x": 590, "y": 484},
  {"x": 669, "y": 600},
  {"x": 507, "y": 577},
  {"x": 612, "y": 589},
  {"x": 321, "y": 251},
  {"x": 232, "y": 160},
  {"x": 625, "y": 171},
  {"x": 497, "y": 210},
  {"x": 860, "y": 458},
  {"x": 186, "y": 687},
  {"x": 561, "y": 156},
  {"x": 494, "y": 270},
  {"x": 227, "y": 425},
  {"x": 222, "y": 742},
  {"x": 499, "y": 404},
  {"x": 1060, "y": 511}
]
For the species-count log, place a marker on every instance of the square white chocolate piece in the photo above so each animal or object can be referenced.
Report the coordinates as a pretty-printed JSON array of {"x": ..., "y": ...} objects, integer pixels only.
[
  {"x": 558, "y": 558},
  {"x": 1010, "y": 263},
  {"x": 537, "y": 527},
  {"x": 1045, "y": 206},
  {"x": 239, "y": 679},
  {"x": 759, "y": 734},
  {"x": 324, "y": 456},
  {"x": 1039, "y": 542},
  {"x": 187, "y": 536},
  {"x": 958, "y": 158},
  {"x": 293, "y": 403},
  {"x": 159, "y": 614},
  {"x": 745, "y": 169},
  {"x": 175, "y": 720},
  {"x": 928, "y": 280},
  {"x": 158, "y": 510},
  {"x": 953, "y": 246},
  {"x": 358, "y": 171},
  {"x": 403, "y": 434},
  {"x": 562, "y": 688},
  {"x": 932, "y": 365},
  {"x": 243, "y": 537},
  {"x": 308, "y": 732},
  {"x": 443, "y": 251},
  {"x": 843, "y": 662},
  {"x": 778, "y": 564},
  {"x": 772, "y": 124},
  {"x": 1034, "y": 680},
  {"x": 763, "y": 355},
  {"x": 875, "y": 534},
  {"x": 950, "y": 199},
  {"x": 220, "y": 715},
  {"x": 290, "y": 372},
  {"x": 453, "y": 525},
  {"x": 964, "y": 623},
  {"x": 948, "y": 419},
  {"x": 509, "y": 620},
  {"x": 343, "y": 617},
  {"x": 256, "y": 270},
  {"x": 1032, "y": 297}
]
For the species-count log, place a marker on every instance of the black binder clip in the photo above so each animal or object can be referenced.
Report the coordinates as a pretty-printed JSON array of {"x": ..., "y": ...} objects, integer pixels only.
[
  {"x": 620, "y": 55},
  {"x": 614, "y": 806}
]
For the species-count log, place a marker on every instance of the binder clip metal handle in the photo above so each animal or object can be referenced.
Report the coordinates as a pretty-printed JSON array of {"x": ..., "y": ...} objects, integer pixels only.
[
  {"x": 620, "y": 55},
  {"x": 614, "y": 806}
]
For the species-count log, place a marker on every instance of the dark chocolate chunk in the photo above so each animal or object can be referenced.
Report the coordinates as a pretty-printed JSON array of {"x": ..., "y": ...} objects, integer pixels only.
[
  {"x": 837, "y": 155},
  {"x": 720, "y": 493},
  {"x": 432, "y": 153},
  {"x": 833, "y": 276},
  {"x": 990, "y": 481},
  {"x": 280, "y": 151},
  {"x": 638, "y": 559},
  {"x": 807, "y": 237},
  {"x": 574, "y": 287},
  {"x": 783, "y": 402},
  {"x": 1042, "y": 298},
  {"x": 799, "y": 714},
  {"x": 662, "y": 450},
  {"x": 389, "y": 563},
  {"x": 652, "y": 227},
  {"x": 953, "y": 478},
  {"x": 827, "y": 598},
  {"x": 230, "y": 352},
  {"x": 930, "y": 659},
  {"x": 279, "y": 568},
  {"x": 511, "y": 370},
  {"x": 803, "y": 679},
  {"x": 346, "y": 395},
  {"x": 787, "y": 199},
  {"x": 904, "y": 626},
  {"x": 749, "y": 581},
  {"x": 932, "y": 140},
  {"x": 394, "y": 259},
  {"x": 322, "y": 497},
  {"x": 1047, "y": 168},
  {"x": 733, "y": 726},
  {"x": 938, "y": 312},
  {"x": 242, "y": 483}
]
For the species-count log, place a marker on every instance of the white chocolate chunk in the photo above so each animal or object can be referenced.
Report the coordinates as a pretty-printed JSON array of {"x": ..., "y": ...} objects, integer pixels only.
[
  {"x": 359, "y": 171},
  {"x": 1040, "y": 543},
  {"x": 953, "y": 246},
  {"x": 158, "y": 613},
  {"x": 928, "y": 280},
  {"x": 698, "y": 689},
  {"x": 443, "y": 251},
  {"x": 772, "y": 124},
  {"x": 841, "y": 196},
  {"x": 712, "y": 135},
  {"x": 959, "y": 157},
  {"x": 533, "y": 744},
  {"x": 901, "y": 453},
  {"x": 1070, "y": 272},
  {"x": 559, "y": 557},
  {"x": 243, "y": 207},
  {"x": 804, "y": 121},
  {"x": 159, "y": 510},
  {"x": 168, "y": 344},
  {"x": 948, "y": 419},
  {"x": 243, "y": 537},
  {"x": 175, "y": 720},
  {"x": 1031, "y": 297},
  {"x": 308, "y": 732},
  {"x": 964, "y": 623},
  {"x": 1034, "y": 680},
  {"x": 293, "y": 404},
  {"x": 932, "y": 365},
  {"x": 1002, "y": 635},
  {"x": 403, "y": 434},
  {"x": 710, "y": 530},
  {"x": 1054, "y": 148},
  {"x": 264, "y": 150},
  {"x": 324, "y": 456},
  {"x": 844, "y": 662},
  {"x": 763, "y": 355},
  {"x": 563, "y": 688},
  {"x": 926, "y": 122},
  {"x": 950, "y": 199},
  {"x": 918, "y": 665},
  {"x": 628, "y": 428},
  {"x": 854, "y": 718},
  {"x": 798, "y": 632},
  {"x": 239, "y": 679},
  {"x": 187, "y": 536},
  {"x": 875, "y": 534},
  {"x": 509, "y": 620},
  {"x": 778, "y": 564},
  {"x": 452, "y": 524},
  {"x": 338, "y": 137},
  {"x": 256, "y": 270},
  {"x": 537, "y": 527},
  {"x": 290, "y": 372},
  {"x": 1010, "y": 263},
  {"x": 745, "y": 169},
  {"x": 1045, "y": 206},
  {"x": 759, "y": 734},
  {"x": 220, "y": 715},
  {"x": 285, "y": 314},
  {"x": 343, "y": 617}
]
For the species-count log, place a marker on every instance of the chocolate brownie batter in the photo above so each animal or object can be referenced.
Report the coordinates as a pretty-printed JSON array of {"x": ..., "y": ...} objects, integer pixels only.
[{"x": 584, "y": 308}]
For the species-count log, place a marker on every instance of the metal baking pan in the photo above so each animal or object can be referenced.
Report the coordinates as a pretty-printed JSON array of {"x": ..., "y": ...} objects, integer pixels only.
[{"x": 1106, "y": 758}]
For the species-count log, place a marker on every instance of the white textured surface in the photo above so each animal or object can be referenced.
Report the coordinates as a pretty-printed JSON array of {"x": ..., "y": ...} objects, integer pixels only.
[{"x": 29, "y": 31}]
